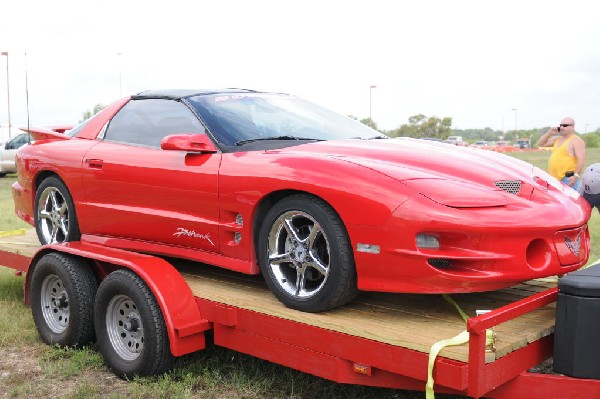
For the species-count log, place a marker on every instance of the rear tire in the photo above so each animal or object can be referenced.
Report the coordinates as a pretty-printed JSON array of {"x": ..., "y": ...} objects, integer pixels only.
[
  {"x": 130, "y": 327},
  {"x": 63, "y": 288},
  {"x": 55, "y": 218}
]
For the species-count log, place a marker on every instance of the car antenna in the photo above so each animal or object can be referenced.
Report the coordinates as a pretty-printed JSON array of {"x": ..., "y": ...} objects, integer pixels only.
[{"x": 27, "y": 99}]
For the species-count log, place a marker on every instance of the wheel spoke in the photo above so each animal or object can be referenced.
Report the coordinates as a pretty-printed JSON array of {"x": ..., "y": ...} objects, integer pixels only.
[
  {"x": 314, "y": 231},
  {"x": 63, "y": 226},
  {"x": 63, "y": 209},
  {"x": 316, "y": 264},
  {"x": 54, "y": 233},
  {"x": 44, "y": 215},
  {"x": 278, "y": 259},
  {"x": 291, "y": 230},
  {"x": 300, "y": 280},
  {"x": 54, "y": 200}
]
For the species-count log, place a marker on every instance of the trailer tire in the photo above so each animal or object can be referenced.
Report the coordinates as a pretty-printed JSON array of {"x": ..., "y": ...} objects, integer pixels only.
[
  {"x": 130, "y": 328},
  {"x": 62, "y": 291}
]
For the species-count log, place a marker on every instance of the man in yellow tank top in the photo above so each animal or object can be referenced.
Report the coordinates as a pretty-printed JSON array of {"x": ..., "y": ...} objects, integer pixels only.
[{"x": 568, "y": 152}]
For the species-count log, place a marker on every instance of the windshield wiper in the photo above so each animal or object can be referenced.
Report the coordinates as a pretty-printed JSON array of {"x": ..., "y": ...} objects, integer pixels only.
[
  {"x": 378, "y": 137},
  {"x": 369, "y": 138},
  {"x": 242, "y": 142}
]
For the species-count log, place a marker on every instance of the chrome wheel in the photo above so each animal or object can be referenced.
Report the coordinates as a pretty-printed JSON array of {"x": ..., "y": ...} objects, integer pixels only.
[
  {"x": 53, "y": 216},
  {"x": 298, "y": 254},
  {"x": 124, "y": 327},
  {"x": 55, "y": 303}
]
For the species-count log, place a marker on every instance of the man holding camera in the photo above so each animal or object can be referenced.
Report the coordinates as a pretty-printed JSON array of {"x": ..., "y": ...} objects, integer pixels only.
[{"x": 568, "y": 152}]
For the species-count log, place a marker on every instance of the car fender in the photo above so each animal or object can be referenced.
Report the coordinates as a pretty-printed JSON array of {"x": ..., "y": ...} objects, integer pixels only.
[{"x": 360, "y": 195}]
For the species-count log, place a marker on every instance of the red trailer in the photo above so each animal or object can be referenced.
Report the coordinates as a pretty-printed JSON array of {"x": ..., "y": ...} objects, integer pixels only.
[{"x": 146, "y": 310}]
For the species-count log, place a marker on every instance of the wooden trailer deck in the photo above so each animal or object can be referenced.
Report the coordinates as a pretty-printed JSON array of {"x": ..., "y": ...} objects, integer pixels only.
[{"x": 410, "y": 321}]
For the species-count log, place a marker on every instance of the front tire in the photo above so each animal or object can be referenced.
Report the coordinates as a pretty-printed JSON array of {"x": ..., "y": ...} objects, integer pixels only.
[
  {"x": 130, "y": 327},
  {"x": 305, "y": 255},
  {"x": 55, "y": 219},
  {"x": 63, "y": 288}
]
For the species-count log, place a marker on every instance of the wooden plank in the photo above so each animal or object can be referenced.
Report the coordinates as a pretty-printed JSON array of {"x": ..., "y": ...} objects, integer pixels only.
[
  {"x": 412, "y": 321},
  {"x": 24, "y": 245}
]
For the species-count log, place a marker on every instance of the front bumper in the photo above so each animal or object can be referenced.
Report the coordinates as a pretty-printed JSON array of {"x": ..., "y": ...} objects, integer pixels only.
[{"x": 480, "y": 249}]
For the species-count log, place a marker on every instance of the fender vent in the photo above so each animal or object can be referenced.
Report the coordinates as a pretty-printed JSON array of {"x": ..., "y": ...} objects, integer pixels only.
[
  {"x": 510, "y": 186},
  {"x": 439, "y": 263}
]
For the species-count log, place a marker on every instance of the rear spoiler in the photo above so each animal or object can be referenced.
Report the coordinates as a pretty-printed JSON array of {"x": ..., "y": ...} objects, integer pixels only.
[{"x": 53, "y": 133}]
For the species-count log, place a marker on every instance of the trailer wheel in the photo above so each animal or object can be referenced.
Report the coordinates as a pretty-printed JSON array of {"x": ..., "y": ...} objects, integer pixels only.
[
  {"x": 63, "y": 288},
  {"x": 130, "y": 327},
  {"x": 55, "y": 219},
  {"x": 305, "y": 255}
]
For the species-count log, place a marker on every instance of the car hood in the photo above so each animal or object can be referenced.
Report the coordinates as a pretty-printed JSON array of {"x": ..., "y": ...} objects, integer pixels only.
[
  {"x": 473, "y": 177},
  {"x": 408, "y": 159}
]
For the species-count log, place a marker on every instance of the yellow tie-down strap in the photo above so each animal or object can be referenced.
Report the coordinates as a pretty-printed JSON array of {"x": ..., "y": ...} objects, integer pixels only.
[
  {"x": 10, "y": 233},
  {"x": 462, "y": 338}
]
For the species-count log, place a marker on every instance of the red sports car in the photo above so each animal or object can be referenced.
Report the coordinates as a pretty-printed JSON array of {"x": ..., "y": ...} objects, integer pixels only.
[{"x": 322, "y": 205}]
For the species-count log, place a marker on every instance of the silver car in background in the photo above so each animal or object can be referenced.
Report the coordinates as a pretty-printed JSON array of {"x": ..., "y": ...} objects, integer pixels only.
[{"x": 8, "y": 150}]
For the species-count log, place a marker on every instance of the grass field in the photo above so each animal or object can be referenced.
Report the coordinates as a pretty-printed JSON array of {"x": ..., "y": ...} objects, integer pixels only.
[{"x": 31, "y": 369}]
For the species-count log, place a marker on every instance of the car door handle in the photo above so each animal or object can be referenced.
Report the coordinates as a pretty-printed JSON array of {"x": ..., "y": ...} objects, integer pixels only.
[{"x": 94, "y": 163}]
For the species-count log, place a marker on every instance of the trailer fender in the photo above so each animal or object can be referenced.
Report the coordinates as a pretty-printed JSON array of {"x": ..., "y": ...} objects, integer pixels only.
[{"x": 184, "y": 322}]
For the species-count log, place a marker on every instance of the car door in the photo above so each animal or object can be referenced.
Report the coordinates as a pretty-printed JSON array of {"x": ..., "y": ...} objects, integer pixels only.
[{"x": 135, "y": 190}]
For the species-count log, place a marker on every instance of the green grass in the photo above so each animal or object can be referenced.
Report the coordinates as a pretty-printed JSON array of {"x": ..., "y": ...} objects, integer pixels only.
[{"x": 8, "y": 218}]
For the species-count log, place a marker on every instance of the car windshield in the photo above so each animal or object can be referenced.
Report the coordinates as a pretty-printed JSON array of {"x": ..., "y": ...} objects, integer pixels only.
[{"x": 241, "y": 118}]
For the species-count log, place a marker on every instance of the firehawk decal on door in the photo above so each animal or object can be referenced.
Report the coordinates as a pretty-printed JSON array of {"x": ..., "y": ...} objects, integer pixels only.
[{"x": 181, "y": 231}]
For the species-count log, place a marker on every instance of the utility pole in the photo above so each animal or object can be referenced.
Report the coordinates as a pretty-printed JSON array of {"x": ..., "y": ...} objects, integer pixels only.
[{"x": 5, "y": 53}]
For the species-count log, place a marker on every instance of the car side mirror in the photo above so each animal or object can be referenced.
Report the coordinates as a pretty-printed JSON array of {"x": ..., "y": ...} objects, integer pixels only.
[{"x": 189, "y": 143}]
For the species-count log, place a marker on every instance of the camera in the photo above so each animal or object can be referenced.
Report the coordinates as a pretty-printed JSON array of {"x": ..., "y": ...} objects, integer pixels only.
[{"x": 558, "y": 129}]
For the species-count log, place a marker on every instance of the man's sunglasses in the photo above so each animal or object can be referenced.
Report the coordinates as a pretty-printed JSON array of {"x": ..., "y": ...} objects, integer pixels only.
[{"x": 565, "y": 124}]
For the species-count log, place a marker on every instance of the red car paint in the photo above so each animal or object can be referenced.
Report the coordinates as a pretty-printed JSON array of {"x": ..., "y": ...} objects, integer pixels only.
[{"x": 185, "y": 204}]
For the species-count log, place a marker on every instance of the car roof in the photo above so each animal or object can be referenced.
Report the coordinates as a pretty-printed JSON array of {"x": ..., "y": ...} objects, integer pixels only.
[{"x": 178, "y": 94}]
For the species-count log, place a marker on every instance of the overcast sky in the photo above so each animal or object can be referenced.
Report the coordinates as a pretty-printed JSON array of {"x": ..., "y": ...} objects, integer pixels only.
[{"x": 474, "y": 61}]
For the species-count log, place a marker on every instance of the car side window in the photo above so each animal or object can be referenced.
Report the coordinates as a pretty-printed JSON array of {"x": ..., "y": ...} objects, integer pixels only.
[
  {"x": 17, "y": 142},
  {"x": 146, "y": 122}
]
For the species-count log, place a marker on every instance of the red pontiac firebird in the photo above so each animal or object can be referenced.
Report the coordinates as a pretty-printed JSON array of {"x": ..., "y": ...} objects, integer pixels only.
[{"x": 322, "y": 205}]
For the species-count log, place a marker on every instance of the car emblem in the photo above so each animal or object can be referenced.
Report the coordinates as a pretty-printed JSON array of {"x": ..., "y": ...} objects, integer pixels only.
[{"x": 574, "y": 245}]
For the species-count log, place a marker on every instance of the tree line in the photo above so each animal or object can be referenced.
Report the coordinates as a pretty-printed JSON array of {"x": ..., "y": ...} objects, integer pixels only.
[{"x": 421, "y": 126}]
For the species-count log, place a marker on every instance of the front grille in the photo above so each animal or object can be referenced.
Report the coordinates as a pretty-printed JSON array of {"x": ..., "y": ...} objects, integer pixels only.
[{"x": 510, "y": 186}]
